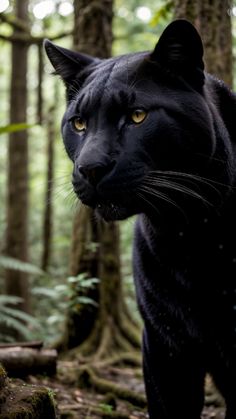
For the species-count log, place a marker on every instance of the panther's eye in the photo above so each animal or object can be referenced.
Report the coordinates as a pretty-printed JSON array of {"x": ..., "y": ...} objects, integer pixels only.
[
  {"x": 138, "y": 116},
  {"x": 79, "y": 124}
]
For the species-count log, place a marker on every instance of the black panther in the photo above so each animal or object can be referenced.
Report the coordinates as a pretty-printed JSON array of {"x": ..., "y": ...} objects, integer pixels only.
[{"x": 153, "y": 134}]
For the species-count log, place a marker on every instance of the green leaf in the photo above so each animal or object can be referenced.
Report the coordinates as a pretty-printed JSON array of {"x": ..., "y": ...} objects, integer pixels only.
[
  {"x": 15, "y": 324},
  {"x": 88, "y": 283},
  {"x": 86, "y": 300},
  {"x": 14, "y": 128},
  {"x": 8, "y": 262},
  {"x": 9, "y": 299},
  {"x": 106, "y": 408},
  {"x": 20, "y": 315},
  {"x": 45, "y": 292}
]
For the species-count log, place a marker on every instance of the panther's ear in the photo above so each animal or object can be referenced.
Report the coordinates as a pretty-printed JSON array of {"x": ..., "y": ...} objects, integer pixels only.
[
  {"x": 67, "y": 63},
  {"x": 180, "y": 49}
]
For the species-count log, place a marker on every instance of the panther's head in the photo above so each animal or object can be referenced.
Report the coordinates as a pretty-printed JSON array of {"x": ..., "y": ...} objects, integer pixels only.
[{"x": 137, "y": 127}]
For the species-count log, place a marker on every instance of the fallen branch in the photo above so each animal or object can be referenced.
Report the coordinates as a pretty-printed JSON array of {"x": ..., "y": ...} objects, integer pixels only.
[
  {"x": 37, "y": 344},
  {"x": 20, "y": 362}
]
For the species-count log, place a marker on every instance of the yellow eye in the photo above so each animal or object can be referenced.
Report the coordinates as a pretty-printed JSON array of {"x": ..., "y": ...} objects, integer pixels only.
[
  {"x": 79, "y": 124},
  {"x": 138, "y": 116}
]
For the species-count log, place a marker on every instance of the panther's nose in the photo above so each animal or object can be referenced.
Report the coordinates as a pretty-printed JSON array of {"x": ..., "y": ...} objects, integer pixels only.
[{"x": 95, "y": 172}]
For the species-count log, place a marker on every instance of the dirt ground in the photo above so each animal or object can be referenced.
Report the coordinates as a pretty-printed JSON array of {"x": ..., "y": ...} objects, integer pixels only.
[{"x": 77, "y": 403}]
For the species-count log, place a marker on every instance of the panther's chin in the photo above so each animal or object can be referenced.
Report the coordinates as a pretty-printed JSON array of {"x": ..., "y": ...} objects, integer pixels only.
[{"x": 112, "y": 212}]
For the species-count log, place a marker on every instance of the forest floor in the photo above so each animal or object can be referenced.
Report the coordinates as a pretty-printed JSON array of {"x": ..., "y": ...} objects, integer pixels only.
[{"x": 74, "y": 402}]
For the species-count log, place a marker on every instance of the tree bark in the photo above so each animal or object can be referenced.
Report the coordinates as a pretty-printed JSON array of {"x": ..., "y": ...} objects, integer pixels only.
[
  {"x": 213, "y": 21},
  {"x": 48, "y": 210},
  {"x": 89, "y": 18},
  {"x": 17, "y": 199},
  {"x": 93, "y": 27},
  {"x": 40, "y": 82}
]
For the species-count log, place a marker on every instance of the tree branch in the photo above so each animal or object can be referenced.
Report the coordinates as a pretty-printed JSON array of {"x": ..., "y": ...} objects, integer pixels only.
[
  {"x": 15, "y": 22},
  {"x": 31, "y": 39}
]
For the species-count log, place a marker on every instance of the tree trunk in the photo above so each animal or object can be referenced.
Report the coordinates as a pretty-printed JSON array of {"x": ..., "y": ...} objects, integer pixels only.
[
  {"x": 93, "y": 27},
  {"x": 17, "y": 200},
  {"x": 48, "y": 210},
  {"x": 213, "y": 20},
  {"x": 105, "y": 328},
  {"x": 40, "y": 83}
]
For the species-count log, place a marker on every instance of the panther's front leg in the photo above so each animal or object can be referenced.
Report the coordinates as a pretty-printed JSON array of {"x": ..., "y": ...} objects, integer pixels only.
[{"x": 174, "y": 382}]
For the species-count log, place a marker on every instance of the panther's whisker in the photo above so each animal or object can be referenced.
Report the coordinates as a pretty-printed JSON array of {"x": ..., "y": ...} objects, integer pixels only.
[
  {"x": 144, "y": 198},
  {"x": 189, "y": 175},
  {"x": 147, "y": 190},
  {"x": 179, "y": 188}
]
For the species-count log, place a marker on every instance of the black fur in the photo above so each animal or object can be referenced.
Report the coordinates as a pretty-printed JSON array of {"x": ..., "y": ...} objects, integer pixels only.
[{"x": 176, "y": 170}]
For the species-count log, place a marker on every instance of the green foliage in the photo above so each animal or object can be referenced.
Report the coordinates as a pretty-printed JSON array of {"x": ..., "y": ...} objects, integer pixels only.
[
  {"x": 55, "y": 302},
  {"x": 7, "y": 262},
  {"x": 11, "y": 318},
  {"x": 70, "y": 296},
  {"x": 106, "y": 408},
  {"x": 162, "y": 13},
  {"x": 137, "y": 24}
]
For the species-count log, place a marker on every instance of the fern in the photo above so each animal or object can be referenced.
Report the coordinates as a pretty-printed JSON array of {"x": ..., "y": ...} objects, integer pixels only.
[
  {"x": 57, "y": 300},
  {"x": 8, "y": 262},
  {"x": 15, "y": 319},
  {"x": 20, "y": 315},
  {"x": 9, "y": 299},
  {"x": 83, "y": 282},
  {"x": 65, "y": 291},
  {"x": 45, "y": 292},
  {"x": 16, "y": 325}
]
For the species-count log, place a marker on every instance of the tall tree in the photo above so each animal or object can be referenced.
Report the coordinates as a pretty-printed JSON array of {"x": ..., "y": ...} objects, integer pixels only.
[
  {"x": 17, "y": 199},
  {"x": 92, "y": 35},
  {"x": 109, "y": 326},
  {"x": 48, "y": 210},
  {"x": 213, "y": 20}
]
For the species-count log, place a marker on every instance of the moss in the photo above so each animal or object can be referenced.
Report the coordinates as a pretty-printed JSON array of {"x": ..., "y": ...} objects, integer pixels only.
[
  {"x": 3, "y": 377},
  {"x": 3, "y": 386},
  {"x": 28, "y": 402}
]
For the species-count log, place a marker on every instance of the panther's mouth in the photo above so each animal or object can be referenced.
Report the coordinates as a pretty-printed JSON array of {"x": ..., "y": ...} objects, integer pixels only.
[{"x": 110, "y": 211}]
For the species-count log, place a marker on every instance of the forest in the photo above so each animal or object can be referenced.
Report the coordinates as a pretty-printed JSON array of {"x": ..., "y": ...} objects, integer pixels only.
[{"x": 70, "y": 328}]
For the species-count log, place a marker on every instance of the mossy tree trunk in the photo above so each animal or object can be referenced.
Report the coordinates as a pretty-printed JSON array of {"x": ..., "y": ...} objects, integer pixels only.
[
  {"x": 17, "y": 199},
  {"x": 213, "y": 20},
  {"x": 84, "y": 259},
  {"x": 48, "y": 209},
  {"x": 95, "y": 245}
]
